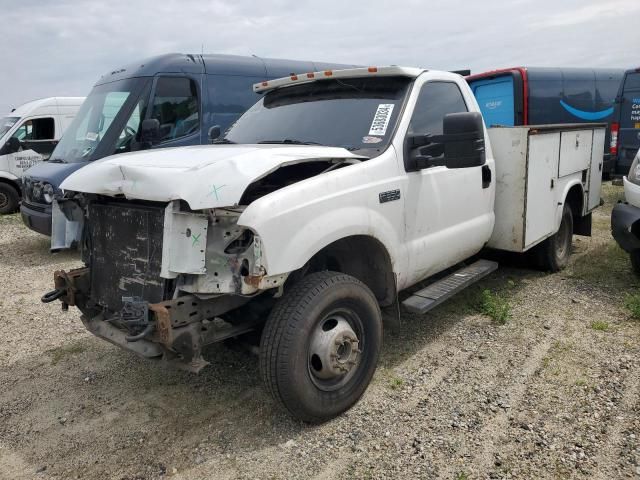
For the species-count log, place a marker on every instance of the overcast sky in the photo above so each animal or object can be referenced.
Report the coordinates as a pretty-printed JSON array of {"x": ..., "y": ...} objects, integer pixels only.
[{"x": 62, "y": 47}]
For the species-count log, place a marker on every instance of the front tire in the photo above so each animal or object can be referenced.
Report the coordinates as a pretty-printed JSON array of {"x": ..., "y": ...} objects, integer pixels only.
[
  {"x": 635, "y": 261},
  {"x": 320, "y": 345},
  {"x": 554, "y": 252},
  {"x": 9, "y": 199}
]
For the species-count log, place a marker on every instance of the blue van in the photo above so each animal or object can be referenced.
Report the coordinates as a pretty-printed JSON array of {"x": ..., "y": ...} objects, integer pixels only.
[
  {"x": 184, "y": 96},
  {"x": 538, "y": 96},
  {"x": 625, "y": 129}
]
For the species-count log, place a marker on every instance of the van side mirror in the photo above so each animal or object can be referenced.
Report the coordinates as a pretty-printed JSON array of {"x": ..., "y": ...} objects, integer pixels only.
[
  {"x": 214, "y": 133},
  {"x": 463, "y": 138},
  {"x": 149, "y": 132},
  {"x": 12, "y": 145}
]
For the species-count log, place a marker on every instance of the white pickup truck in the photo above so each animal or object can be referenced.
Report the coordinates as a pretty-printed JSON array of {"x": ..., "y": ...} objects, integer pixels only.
[{"x": 334, "y": 192}]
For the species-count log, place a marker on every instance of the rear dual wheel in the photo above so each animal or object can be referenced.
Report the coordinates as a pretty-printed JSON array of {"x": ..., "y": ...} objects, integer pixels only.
[
  {"x": 320, "y": 345},
  {"x": 554, "y": 252}
]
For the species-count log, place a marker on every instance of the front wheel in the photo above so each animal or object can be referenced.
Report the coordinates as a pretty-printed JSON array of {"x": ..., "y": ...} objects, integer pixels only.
[
  {"x": 320, "y": 345},
  {"x": 9, "y": 199},
  {"x": 635, "y": 261},
  {"x": 554, "y": 252}
]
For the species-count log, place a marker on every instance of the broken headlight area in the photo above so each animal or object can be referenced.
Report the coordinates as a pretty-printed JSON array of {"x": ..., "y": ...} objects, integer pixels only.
[{"x": 159, "y": 277}]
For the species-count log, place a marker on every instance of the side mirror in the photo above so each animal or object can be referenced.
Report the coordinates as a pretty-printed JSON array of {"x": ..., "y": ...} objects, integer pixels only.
[
  {"x": 12, "y": 145},
  {"x": 149, "y": 132},
  {"x": 214, "y": 133},
  {"x": 463, "y": 138}
]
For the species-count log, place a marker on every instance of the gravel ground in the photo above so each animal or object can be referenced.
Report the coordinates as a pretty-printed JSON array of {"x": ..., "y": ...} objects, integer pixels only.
[{"x": 551, "y": 393}]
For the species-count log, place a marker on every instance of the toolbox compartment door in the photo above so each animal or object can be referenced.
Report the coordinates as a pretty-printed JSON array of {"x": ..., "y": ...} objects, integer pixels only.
[{"x": 540, "y": 213}]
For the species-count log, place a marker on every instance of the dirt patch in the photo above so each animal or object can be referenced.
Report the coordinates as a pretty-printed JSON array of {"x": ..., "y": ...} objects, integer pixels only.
[{"x": 550, "y": 392}]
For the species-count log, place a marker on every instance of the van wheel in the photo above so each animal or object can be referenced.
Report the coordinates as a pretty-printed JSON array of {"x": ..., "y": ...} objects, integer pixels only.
[
  {"x": 635, "y": 261},
  {"x": 320, "y": 345},
  {"x": 553, "y": 253},
  {"x": 9, "y": 199}
]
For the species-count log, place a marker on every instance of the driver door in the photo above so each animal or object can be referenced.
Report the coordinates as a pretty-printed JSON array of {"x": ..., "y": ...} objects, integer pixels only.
[
  {"x": 448, "y": 212},
  {"x": 36, "y": 138}
]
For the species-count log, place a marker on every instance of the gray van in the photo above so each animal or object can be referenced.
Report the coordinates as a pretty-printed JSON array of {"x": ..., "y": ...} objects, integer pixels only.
[
  {"x": 182, "y": 97},
  {"x": 625, "y": 129}
]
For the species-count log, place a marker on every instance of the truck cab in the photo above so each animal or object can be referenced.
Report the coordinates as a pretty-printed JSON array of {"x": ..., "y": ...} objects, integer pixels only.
[
  {"x": 28, "y": 135},
  {"x": 185, "y": 94},
  {"x": 335, "y": 191}
]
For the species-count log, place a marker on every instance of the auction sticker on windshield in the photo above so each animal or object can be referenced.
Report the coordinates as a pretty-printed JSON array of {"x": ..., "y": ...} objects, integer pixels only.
[{"x": 381, "y": 119}]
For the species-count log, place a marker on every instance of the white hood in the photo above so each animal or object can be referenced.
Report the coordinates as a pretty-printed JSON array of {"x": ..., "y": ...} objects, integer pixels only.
[{"x": 204, "y": 176}]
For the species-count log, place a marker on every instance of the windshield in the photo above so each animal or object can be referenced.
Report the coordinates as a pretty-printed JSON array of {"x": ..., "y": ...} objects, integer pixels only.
[
  {"x": 107, "y": 105},
  {"x": 354, "y": 113},
  {"x": 6, "y": 123}
]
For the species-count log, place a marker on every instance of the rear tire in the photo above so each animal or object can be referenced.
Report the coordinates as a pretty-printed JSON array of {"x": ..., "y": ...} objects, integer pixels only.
[
  {"x": 554, "y": 252},
  {"x": 635, "y": 261},
  {"x": 320, "y": 345},
  {"x": 9, "y": 199}
]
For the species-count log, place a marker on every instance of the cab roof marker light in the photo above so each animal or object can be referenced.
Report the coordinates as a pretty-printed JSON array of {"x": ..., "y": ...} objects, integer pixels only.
[{"x": 324, "y": 75}]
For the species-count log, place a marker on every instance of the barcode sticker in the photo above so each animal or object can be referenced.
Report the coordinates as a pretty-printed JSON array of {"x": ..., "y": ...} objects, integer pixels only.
[{"x": 381, "y": 119}]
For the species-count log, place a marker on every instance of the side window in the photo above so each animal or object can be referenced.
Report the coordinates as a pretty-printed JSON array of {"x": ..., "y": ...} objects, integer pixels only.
[
  {"x": 436, "y": 99},
  {"x": 175, "y": 106},
  {"x": 36, "y": 129},
  {"x": 129, "y": 138},
  {"x": 230, "y": 96}
]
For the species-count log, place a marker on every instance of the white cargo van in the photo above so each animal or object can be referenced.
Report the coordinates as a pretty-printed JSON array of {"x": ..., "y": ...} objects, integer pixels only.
[{"x": 28, "y": 135}]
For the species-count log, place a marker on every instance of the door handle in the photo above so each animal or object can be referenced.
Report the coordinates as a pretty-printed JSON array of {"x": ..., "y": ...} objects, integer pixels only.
[{"x": 486, "y": 176}]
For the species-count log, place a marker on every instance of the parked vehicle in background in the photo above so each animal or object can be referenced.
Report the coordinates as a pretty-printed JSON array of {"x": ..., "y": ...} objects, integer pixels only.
[
  {"x": 543, "y": 96},
  {"x": 28, "y": 135},
  {"x": 328, "y": 196},
  {"x": 180, "y": 96},
  {"x": 625, "y": 129},
  {"x": 625, "y": 217}
]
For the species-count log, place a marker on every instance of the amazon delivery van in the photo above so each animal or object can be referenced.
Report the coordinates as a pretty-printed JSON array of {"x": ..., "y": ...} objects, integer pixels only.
[
  {"x": 28, "y": 135},
  {"x": 543, "y": 96}
]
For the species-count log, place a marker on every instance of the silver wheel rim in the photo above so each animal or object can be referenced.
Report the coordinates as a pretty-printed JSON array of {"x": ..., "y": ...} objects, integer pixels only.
[{"x": 335, "y": 350}]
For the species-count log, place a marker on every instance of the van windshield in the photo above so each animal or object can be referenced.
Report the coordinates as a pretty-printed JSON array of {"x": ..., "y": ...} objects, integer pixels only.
[
  {"x": 103, "y": 117},
  {"x": 354, "y": 113},
  {"x": 6, "y": 123}
]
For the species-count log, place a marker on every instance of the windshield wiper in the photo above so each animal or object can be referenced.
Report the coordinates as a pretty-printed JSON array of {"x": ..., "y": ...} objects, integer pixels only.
[
  {"x": 223, "y": 140},
  {"x": 291, "y": 141},
  {"x": 55, "y": 160}
]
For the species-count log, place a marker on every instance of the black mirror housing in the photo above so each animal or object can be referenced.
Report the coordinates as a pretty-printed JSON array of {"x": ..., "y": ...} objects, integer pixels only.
[
  {"x": 460, "y": 146},
  {"x": 12, "y": 145},
  {"x": 214, "y": 133},
  {"x": 150, "y": 131},
  {"x": 463, "y": 139}
]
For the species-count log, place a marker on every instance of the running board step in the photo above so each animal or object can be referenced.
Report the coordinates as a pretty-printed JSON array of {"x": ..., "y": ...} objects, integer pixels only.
[{"x": 436, "y": 293}]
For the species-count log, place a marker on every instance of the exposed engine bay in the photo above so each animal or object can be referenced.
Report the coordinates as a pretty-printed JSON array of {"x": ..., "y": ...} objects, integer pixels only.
[{"x": 163, "y": 280}]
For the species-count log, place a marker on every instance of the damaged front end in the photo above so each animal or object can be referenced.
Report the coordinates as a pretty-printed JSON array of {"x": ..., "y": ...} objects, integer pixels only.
[{"x": 160, "y": 279}]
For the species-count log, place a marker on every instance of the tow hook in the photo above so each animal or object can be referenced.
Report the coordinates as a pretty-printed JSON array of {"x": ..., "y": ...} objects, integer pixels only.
[{"x": 53, "y": 295}]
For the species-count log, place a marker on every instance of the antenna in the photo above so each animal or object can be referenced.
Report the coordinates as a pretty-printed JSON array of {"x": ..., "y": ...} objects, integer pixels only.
[{"x": 202, "y": 49}]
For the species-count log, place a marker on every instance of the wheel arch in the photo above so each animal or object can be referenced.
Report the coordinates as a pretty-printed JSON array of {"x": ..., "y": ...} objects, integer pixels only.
[
  {"x": 574, "y": 198},
  {"x": 12, "y": 181},
  {"x": 363, "y": 257}
]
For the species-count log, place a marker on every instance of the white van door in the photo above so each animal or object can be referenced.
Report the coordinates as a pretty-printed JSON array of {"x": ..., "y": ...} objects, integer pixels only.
[{"x": 37, "y": 141}]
